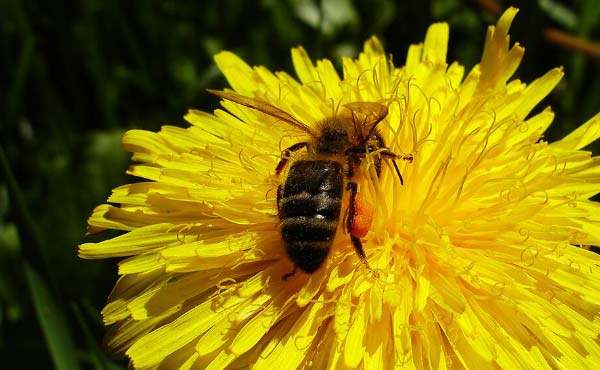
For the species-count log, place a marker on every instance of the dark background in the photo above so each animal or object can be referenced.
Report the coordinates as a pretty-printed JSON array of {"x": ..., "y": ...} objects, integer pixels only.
[{"x": 74, "y": 76}]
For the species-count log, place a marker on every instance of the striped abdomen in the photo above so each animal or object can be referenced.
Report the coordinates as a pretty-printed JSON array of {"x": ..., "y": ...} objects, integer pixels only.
[{"x": 309, "y": 209}]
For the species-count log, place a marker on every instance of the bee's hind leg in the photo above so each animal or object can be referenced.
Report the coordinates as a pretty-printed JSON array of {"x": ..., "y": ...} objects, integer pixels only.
[
  {"x": 290, "y": 274},
  {"x": 356, "y": 243}
]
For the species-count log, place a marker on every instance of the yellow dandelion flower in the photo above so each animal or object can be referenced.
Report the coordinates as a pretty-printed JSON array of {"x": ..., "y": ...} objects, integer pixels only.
[{"x": 475, "y": 261}]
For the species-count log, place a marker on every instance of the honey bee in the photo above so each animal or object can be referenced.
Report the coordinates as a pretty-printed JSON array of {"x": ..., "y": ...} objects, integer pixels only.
[{"x": 309, "y": 201}]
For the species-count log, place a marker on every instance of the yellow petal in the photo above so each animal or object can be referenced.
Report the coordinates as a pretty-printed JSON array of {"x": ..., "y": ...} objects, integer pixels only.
[
  {"x": 498, "y": 62},
  {"x": 152, "y": 348},
  {"x": 239, "y": 75},
  {"x": 436, "y": 44},
  {"x": 306, "y": 71},
  {"x": 137, "y": 241},
  {"x": 355, "y": 339},
  {"x": 582, "y": 136}
]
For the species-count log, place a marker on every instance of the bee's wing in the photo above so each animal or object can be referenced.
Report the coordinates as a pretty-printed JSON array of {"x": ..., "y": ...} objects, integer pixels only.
[
  {"x": 262, "y": 106},
  {"x": 368, "y": 115}
]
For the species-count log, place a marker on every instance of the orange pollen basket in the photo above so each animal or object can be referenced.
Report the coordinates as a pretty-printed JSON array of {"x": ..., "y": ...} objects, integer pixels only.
[{"x": 363, "y": 217}]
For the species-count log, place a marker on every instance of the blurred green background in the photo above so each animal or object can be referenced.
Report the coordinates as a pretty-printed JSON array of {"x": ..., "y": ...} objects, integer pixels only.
[{"x": 76, "y": 75}]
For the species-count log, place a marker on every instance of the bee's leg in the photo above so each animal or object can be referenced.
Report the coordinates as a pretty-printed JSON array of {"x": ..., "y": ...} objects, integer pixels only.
[
  {"x": 353, "y": 188},
  {"x": 393, "y": 156},
  {"x": 398, "y": 171},
  {"x": 290, "y": 274},
  {"x": 287, "y": 153},
  {"x": 387, "y": 153}
]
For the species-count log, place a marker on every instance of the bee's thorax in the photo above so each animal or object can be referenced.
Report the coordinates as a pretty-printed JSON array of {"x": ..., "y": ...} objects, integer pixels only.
[{"x": 333, "y": 140}]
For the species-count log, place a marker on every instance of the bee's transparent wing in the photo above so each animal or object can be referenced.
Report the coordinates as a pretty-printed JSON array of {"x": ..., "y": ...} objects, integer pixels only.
[
  {"x": 366, "y": 116},
  {"x": 263, "y": 107}
]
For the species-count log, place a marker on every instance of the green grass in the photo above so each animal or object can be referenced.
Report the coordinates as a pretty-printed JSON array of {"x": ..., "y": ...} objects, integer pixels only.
[{"x": 76, "y": 75}]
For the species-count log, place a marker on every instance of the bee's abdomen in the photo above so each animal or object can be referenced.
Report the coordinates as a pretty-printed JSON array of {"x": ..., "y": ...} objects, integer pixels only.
[{"x": 309, "y": 211}]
